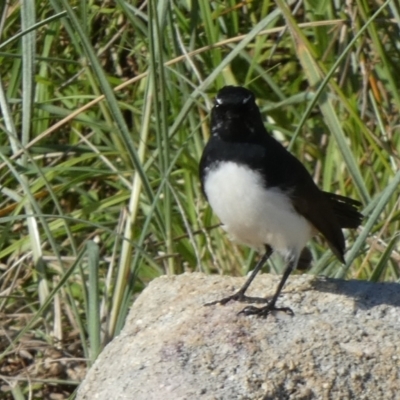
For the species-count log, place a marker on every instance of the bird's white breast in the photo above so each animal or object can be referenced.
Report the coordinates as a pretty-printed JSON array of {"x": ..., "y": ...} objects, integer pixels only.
[{"x": 253, "y": 214}]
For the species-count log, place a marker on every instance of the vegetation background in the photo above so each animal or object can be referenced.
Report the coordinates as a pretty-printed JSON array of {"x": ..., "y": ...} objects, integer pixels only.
[{"x": 104, "y": 115}]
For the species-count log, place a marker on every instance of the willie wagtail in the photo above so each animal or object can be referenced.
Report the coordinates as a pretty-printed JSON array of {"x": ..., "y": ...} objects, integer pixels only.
[{"x": 263, "y": 195}]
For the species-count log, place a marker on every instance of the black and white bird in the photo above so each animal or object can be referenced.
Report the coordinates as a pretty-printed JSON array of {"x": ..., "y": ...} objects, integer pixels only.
[{"x": 263, "y": 195}]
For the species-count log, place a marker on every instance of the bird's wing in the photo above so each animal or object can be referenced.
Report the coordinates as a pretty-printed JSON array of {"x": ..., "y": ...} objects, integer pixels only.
[{"x": 307, "y": 199}]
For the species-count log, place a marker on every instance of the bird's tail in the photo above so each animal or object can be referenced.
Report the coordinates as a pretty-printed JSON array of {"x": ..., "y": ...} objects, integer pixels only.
[{"x": 346, "y": 210}]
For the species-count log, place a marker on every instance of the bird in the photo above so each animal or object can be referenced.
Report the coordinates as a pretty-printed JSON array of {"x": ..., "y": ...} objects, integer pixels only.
[{"x": 264, "y": 196}]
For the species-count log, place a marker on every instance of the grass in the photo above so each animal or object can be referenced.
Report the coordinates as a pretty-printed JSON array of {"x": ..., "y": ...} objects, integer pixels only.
[{"x": 104, "y": 114}]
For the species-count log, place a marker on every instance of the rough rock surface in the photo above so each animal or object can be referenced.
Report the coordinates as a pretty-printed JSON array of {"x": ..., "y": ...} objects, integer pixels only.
[{"x": 342, "y": 343}]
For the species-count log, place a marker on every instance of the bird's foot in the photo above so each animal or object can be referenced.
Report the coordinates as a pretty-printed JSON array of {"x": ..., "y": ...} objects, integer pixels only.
[
  {"x": 265, "y": 311},
  {"x": 238, "y": 296}
]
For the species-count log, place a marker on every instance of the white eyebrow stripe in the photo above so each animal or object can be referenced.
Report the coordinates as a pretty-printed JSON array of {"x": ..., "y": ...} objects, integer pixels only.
[{"x": 247, "y": 99}]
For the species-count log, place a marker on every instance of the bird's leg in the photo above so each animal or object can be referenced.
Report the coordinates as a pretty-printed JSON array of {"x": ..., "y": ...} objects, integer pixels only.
[
  {"x": 264, "y": 311},
  {"x": 240, "y": 294}
]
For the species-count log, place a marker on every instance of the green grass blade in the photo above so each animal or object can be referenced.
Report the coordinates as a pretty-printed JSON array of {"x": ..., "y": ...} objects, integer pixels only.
[
  {"x": 43, "y": 306},
  {"x": 94, "y": 327},
  {"x": 110, "y": 97},
  {"x": 384, "y": 198},
  {"x": 33, "y": 28},
  {"x": 382, "y": 264}
]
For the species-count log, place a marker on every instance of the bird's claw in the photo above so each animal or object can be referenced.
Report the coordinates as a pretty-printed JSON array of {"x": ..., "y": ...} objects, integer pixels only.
[{"x": 265, "y": 311}]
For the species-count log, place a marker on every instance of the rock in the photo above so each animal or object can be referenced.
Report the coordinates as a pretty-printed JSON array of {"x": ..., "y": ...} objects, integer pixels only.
[{"x": 342, "y": 343}]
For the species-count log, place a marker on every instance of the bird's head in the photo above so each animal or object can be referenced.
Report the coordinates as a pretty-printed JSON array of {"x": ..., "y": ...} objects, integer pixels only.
[{"x": 235, "y": 114}]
